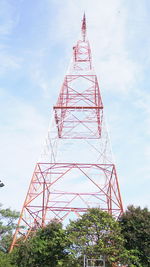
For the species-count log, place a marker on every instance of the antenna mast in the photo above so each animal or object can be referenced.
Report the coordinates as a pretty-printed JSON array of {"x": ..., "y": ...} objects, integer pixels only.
[{"x": 76, "y": 169}]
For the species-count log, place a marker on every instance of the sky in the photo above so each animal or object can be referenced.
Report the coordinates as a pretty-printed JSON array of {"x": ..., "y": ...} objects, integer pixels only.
[{"x": 36, "y": 40}]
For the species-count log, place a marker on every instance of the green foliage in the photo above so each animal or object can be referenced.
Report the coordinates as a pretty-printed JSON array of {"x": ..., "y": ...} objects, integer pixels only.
[
  {"x": 7, "y": 225},
  {"x": 5, "y": 260},
  {"x": 47, "y": 248},
  {"x": 97, "y": 233},
  {"x": 135, "y": 225}
]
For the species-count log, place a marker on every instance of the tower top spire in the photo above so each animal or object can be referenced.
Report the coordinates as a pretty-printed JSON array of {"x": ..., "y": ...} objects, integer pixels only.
[{"x": 84, "y": 27}]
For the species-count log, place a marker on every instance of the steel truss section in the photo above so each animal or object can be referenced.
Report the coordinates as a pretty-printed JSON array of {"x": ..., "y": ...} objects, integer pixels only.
[
  {"x": 82, "y": 56},
  {"x": 47, "y": 198},
  {"x": 79, "y": 109}
]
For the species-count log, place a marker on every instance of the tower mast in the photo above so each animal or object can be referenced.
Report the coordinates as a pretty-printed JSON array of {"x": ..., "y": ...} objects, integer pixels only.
[{"x": 76, "y": 170}]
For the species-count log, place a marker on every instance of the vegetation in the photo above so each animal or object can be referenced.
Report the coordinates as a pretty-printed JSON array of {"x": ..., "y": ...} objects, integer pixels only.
[
  {"x": 5, "y": 260},
  {"x": 7, "y": 225},
  {"x": 47, "y": 248},
  {"x": 95, "y": 233},
  {"x": 98, "y": 233},
  {"x": 135, "y": 227}
]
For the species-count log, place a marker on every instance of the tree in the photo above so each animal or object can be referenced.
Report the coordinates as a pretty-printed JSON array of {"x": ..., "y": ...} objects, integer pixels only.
[
  {"x": 135, "y": 225},
  {"x": 94, "y": 234},
  {"x": 7, "y": 225},
  {"x": 48, "y": 247},
  {"x": 5, "y": 260},
  {"x": 97, "y": 233}
]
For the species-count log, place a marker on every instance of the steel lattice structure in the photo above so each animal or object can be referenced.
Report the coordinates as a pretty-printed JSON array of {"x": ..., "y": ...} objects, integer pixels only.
[
  {"x": 78, "y": 114},
  {"x": 76, "y": 170}
]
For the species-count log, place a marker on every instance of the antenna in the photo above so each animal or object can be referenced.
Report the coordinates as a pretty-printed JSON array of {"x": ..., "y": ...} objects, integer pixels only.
[{"x": 84, "y": 27}]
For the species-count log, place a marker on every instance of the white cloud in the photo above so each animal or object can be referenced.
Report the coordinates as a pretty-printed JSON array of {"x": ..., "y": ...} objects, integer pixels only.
[
  {"x": 9, "y": 18},
  {"x": 21, "y": 131},
  {"x": 9, "y": 62},
  {"x": 119, "y": 73},
  {"x": 6, "y": 28},
  {"x": 38, "y": 77}
]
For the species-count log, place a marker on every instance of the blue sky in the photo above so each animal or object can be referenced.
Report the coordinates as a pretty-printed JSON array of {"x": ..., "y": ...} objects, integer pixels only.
[{"x": 36, "y": 39}]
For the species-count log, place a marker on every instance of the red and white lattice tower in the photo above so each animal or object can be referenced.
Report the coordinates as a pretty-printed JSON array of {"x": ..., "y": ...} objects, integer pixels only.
[{"x": 76, "y": 170}]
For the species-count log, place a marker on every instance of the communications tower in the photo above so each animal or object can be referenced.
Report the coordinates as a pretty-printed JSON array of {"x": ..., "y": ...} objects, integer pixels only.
[{"x": 76, "y": 169}]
